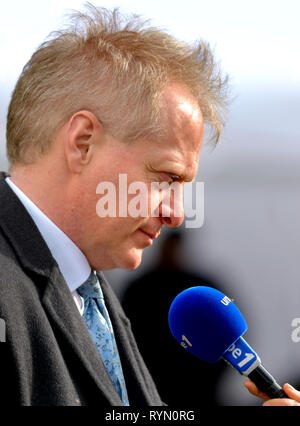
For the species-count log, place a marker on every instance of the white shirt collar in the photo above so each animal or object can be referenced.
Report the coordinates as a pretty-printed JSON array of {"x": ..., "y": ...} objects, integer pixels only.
[{"x": 71, "y": 261}]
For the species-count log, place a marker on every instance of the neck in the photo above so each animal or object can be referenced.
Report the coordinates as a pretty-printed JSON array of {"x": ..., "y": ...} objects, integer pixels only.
[{"x": 47, "y": 187}]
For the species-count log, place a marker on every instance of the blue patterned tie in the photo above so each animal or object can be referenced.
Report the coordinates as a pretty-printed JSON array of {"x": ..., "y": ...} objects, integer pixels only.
[{"x": 98, "y": 322}]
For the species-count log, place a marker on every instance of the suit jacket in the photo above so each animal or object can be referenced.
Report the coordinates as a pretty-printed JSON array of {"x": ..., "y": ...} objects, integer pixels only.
[{"x": 49, "y": 357}]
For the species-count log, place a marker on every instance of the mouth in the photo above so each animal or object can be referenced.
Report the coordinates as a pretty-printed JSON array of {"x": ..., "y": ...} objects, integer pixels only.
[{"x": 152, "y": 236}]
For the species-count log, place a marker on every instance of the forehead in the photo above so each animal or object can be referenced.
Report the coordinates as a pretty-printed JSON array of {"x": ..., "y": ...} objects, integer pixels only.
[{"x": 184, "y": 131}]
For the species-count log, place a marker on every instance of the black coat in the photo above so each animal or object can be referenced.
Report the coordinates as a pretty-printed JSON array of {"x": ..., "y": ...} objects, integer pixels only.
[{"x": 48, "y": 357}]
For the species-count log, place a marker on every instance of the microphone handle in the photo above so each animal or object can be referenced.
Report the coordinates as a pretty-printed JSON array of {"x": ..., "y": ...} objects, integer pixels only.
[{"x": 266, "y": 383}]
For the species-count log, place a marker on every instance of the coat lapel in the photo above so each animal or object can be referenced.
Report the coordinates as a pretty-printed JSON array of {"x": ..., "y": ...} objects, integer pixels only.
[{"x": 59, "y": 304}]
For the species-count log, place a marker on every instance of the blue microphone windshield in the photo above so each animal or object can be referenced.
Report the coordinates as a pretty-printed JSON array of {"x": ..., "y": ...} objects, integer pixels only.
[{"x": 205, "y": 322}]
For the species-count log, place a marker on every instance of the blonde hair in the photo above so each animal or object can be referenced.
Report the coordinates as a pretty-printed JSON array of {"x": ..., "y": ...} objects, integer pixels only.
[{"x": 115, "y": 66}]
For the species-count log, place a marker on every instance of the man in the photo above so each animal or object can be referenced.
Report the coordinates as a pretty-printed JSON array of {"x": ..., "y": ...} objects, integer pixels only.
[{"x": 104, "y": 98}]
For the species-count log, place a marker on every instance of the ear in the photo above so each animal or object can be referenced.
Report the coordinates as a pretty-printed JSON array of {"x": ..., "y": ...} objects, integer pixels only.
[{"x": 83, "y": 131}]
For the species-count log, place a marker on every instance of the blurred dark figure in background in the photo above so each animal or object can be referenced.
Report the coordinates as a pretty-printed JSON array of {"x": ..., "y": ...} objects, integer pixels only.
[{"x": 181, "y": 378}]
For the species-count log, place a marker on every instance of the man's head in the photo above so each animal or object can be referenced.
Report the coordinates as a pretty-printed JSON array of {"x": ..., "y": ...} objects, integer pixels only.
[
  {"x": 114, "y": 66},
  {"x": 105, "y": 98}
]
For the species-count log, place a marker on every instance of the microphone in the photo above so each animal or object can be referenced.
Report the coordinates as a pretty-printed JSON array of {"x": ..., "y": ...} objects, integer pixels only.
[{"x": 209, "y": 325}]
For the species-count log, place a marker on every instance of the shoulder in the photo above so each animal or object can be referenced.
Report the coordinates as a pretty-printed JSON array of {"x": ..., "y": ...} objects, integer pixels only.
[{"x": 18, "y": 287}]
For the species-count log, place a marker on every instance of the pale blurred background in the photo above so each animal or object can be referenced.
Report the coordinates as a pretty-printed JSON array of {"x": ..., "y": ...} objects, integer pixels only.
[{"x": 251, "y": 236}]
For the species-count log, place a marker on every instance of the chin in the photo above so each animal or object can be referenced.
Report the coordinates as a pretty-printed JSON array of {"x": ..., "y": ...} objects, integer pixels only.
[
  {"x": 131, "y": 265},
  {"x": 131, "y": 262}
]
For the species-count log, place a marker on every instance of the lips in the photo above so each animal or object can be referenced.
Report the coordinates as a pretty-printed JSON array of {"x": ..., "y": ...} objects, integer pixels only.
[{"x": 152, "y": 235}]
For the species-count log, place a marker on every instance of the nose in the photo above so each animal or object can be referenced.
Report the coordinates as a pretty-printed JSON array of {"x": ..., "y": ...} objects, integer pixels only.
[
  {"x": 172, "y": 212},
  {"x": 172, "y": 221}
]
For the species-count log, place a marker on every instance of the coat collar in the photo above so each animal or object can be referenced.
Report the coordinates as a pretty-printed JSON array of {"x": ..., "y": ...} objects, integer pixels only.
[
  {"x": 20, "y": 230},
  {"x": 72, "y": 262}
]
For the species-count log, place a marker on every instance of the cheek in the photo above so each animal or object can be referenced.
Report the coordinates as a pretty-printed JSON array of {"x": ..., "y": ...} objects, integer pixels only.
[
  {"x": 155, "y": 199},
  {"x": 119, "y": 231},
  {"x": 139, "y": 202}
]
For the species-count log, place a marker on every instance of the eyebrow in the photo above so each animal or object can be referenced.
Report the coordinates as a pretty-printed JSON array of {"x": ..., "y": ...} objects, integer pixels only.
[{"x": 182, "y": 174}]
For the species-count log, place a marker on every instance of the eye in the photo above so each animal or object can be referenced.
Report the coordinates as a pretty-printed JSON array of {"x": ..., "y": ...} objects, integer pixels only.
[
  {"x": 170, "y": 178},
  {"x": 174, "y": 178}
]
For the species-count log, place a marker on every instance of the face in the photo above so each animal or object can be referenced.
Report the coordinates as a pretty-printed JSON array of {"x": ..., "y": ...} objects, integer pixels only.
[{"x": 118, "y": 242}]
